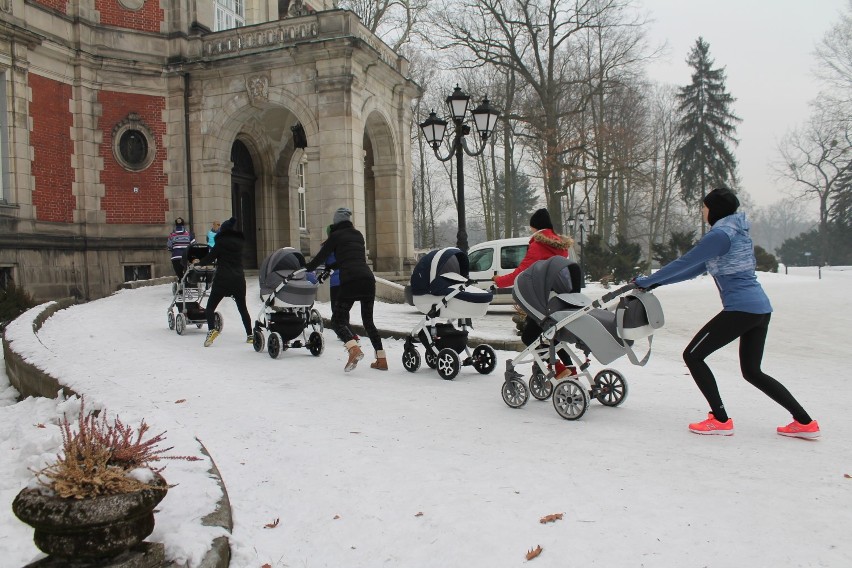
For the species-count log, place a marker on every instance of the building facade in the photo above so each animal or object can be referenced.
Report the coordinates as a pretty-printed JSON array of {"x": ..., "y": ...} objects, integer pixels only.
[{"x": 120, "y": 115}]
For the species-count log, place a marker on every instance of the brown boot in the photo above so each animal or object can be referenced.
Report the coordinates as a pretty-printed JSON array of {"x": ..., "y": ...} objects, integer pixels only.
[
  {"x": 381, "y": 362},
  {"x": 355, "y": 355}
]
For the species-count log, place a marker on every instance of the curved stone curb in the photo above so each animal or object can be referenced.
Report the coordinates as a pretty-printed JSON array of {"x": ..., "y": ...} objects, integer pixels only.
[{"x": 29, "y": 380}]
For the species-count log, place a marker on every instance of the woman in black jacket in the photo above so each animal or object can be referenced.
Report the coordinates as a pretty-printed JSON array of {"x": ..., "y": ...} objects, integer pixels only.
[
  {"x": 357, "y": 284},
  {"x": 230, "y": 280}
]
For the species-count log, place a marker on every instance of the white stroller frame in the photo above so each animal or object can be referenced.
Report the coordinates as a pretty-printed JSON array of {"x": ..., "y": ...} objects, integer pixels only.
[
  {"x": 570, "y": 394},
  {"x": 287, "y": 323},
  {"x": 184, "y": 296},
  {"x": 444, "y": 343}
]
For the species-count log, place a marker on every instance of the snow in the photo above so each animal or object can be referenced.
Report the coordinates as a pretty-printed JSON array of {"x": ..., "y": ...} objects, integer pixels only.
[{"x": 392, "y": 468}]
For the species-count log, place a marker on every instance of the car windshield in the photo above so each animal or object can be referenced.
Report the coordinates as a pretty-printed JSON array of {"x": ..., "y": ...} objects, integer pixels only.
[
  {"x": 511, "y": 257},
  {"x": 481, "y": 259}
]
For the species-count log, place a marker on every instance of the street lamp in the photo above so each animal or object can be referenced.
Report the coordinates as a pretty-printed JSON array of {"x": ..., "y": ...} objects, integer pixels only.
[
  {"x": 484, "y": 117},
  {"x": 581, "y": 219}
]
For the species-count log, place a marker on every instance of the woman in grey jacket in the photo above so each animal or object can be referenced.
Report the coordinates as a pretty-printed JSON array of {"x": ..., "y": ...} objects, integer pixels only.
[{"x": 727, "y": 253}]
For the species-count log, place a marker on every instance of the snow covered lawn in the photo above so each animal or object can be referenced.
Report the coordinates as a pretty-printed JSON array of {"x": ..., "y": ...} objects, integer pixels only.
[{"x": 397, "y": 469}]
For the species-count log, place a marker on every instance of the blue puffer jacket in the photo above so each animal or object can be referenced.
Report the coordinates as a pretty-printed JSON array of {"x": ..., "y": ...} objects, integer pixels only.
[{"x": 727, "y": 253}]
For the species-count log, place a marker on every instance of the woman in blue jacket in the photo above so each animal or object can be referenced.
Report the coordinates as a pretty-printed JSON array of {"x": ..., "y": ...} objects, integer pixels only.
[{"x": 727, "y": 253}]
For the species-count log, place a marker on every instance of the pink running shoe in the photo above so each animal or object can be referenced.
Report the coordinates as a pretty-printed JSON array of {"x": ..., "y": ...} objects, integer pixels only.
[
  {"x": 796, "y": 430},
  {"x": 713, "y": 426}
]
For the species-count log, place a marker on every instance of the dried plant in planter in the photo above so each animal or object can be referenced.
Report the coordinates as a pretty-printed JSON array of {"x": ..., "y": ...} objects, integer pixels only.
[{"x": 98, "y": 456}]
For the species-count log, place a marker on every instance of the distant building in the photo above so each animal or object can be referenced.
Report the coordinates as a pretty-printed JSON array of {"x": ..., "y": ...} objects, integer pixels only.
[{"x": 117, "y": 116}]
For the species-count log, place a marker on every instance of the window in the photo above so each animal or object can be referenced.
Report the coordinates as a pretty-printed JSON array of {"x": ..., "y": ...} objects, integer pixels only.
[
  {"x": 6, "y": 277},
  {"x": 303, "y": 215},
  {"x": 4, "y": 143},
  {"x": 481, "y": 260},
  {"x": 133, "y": 272},
  {"x": 511, "y": 257},
  {"x": 230, "y": 14}
]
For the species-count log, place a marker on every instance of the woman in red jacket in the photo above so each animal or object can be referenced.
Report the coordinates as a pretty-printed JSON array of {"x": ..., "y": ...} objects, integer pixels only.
[{"x": 544, "y": 244}]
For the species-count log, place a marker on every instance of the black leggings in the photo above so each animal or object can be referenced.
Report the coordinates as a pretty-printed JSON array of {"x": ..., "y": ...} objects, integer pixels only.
[
  {"x": 216, "y": 296},
  {"x": 531, "y": 333},
  {"x": 340, "y": 321},
  {"x": 722, "y": 330}
]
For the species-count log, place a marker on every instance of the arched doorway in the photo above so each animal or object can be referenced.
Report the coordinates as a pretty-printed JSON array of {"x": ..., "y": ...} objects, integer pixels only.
[{"x": 243, "y": 181}]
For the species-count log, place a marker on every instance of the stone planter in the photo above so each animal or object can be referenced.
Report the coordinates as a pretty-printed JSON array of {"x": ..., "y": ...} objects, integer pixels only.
[{"x": 93, "y": 528}]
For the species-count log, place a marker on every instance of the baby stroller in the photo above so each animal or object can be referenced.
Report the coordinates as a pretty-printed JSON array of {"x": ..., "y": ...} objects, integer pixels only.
[
  {"x": 288, "y": 295},
  {"x": 190, "y": 291},
  {"x": 548, "y": 292},
  {"x": 441, "y": 290}
]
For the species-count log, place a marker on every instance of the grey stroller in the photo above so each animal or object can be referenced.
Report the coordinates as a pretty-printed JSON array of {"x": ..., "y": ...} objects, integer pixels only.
[
  {"x": 288, "y": 293},
  {"x": 190, "y": 291},
  {"x": 548, "y": 291}
]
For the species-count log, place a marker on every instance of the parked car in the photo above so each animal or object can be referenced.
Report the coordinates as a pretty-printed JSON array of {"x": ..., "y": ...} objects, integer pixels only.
[
  {"x": 497, "y": 257},
  {"x": 489, "y": 258}
]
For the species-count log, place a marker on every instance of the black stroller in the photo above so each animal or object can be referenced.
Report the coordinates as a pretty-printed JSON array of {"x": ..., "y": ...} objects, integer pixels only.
[
  {"x": 189, "y": 293},
  {"x": 288, "y": 295},
  {"x": 548, "y": 291},
  {"x": 441, "y": 290}
]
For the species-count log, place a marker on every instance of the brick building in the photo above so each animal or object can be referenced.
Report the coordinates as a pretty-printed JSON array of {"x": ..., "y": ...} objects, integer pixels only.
[{"x": 117, "y": 116}]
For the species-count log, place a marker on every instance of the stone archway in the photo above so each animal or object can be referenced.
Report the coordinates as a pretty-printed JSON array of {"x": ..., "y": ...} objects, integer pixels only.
[{"x": 383, "y": 196}]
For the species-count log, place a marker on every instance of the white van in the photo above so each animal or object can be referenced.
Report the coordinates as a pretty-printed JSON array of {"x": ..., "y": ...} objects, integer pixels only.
[{"x": 497, "y": 257}]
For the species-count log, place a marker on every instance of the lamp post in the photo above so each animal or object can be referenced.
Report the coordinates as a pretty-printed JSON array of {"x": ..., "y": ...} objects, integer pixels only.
[
  {"x": 581, "y": 220},
  {"x": 484, "y": 117}
]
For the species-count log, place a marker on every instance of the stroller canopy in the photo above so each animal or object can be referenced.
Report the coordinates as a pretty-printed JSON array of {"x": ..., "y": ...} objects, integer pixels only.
[
  {"x": 548, "y": 286},
  {"x": 277, "y": 266},
  {"x": 193, "y": 252},
  {"x": 436, "y": 272}
]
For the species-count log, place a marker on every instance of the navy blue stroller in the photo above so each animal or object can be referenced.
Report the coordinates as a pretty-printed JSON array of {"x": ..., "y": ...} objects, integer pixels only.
[{"x": 442, "y": 291}]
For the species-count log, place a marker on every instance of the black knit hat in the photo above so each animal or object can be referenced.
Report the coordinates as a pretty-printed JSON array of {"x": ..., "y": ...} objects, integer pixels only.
[
  {"x": 228, "y": 225},
  {"x": 721, "y": 202},
  {"x": 541, "y": 220}
]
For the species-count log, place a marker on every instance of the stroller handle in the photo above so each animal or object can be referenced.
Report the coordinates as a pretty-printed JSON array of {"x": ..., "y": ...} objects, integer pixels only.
[{"x": 606, "y": 298}]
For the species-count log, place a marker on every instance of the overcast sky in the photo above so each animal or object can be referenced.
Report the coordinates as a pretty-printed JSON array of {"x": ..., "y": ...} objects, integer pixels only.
[{"x": 766, "y": 47}]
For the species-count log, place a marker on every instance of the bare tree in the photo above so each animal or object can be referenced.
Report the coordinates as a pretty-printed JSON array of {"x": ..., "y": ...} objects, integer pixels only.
[
  {"x": 816, "y": 159},
  {"x": 537, "y": 41},
  {"x": 394, "y": 21}
]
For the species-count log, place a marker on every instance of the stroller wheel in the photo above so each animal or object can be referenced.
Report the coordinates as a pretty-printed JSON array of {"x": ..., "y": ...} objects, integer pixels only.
[
  {"x": 431, "y": 359},
  {"x": 316, "y": 343},
  {"x": 515, "y": 393},
  {"x": 171, "y": 317},
  {"x": 411, "y": 360},
  {"x": 484, "y": 359},
  {"x": 218, "y": 321},
  {"x": 180, "y": 324},
  {"x": 570, "y": 399},
  {"x": 259, "y": 341},
  {"x": 316, "y": 321},
  {"x": 448, "y": 364},
  {"x": 276, "y": 345},
  {"x": 611, "y": 387},
  {"x": 540, "y": 387},
  {"x": 198, "y": 325}
]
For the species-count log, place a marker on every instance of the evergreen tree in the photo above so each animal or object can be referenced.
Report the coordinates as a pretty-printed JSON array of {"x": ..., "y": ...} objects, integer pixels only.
[
  {"x": 707, "y": 124},
  {"x": 625, "y": 260},
  {"x": 524, "y": 201},
  {"x": 765, "y": 261},
  {"x": 679, "y": 243},
  {"x": 596, "y": 258}
]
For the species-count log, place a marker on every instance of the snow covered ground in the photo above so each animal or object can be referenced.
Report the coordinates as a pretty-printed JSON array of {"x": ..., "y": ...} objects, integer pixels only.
[{"x": 374, "y": 469}]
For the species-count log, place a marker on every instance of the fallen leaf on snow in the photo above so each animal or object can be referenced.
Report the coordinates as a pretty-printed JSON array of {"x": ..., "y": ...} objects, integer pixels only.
[
  {"x": 846, "y": 475},
  {"x": 551, "y": 518},
  {"x": 180, "y": 401},
  {"x": 534, "y": 552},
  {"x": 419, "y": 514},
  {"x": 266, "y": 566},
  {"x": 336, "y": 517},
  {"x": 271, "y": 525},
  {"x": 40, "y": 425}
]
